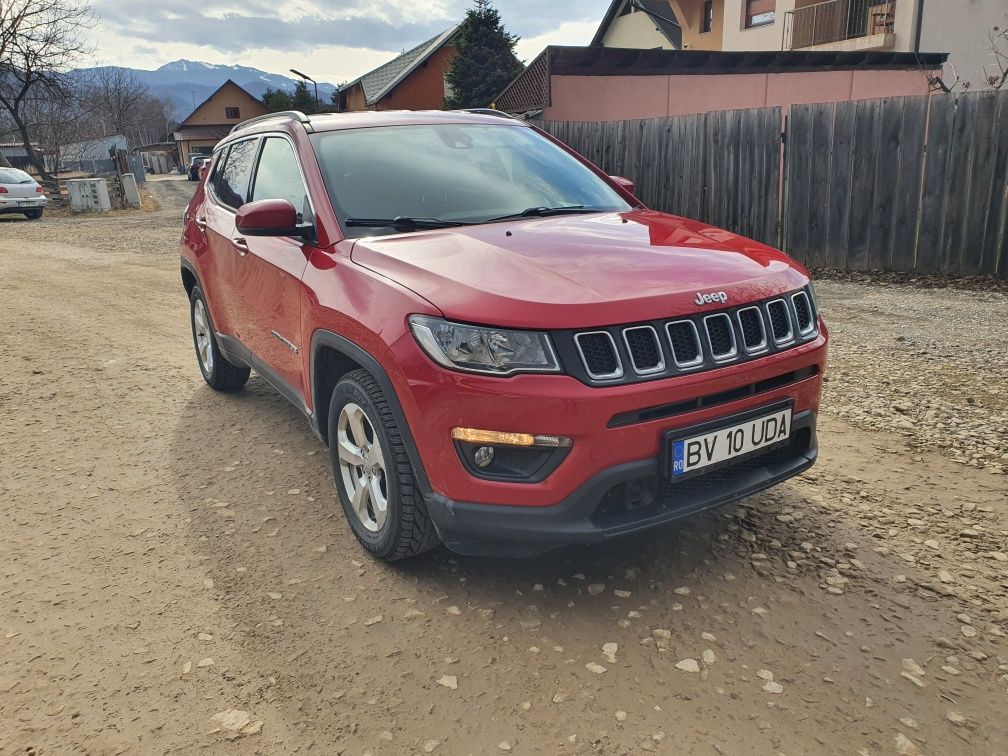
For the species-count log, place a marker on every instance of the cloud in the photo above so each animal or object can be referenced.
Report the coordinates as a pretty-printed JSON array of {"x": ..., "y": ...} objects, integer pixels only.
[
  {"x": 389, "y": 26},
  {"x": 339, "y": 40}
]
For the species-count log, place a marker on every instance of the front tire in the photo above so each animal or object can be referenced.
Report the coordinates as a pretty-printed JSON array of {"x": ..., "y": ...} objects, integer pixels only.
[
  {"x": 374, "y": 476},
  {"x": 219, "y": 374}
]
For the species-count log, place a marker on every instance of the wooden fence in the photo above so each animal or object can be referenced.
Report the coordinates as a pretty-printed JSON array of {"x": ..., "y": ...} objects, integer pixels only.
[
  {"x": 722, "y": 168},
  {"x": 916, "y": 184}
]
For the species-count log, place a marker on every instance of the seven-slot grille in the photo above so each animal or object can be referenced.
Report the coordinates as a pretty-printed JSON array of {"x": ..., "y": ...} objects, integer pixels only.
[
  {"x": 780, "y": 321},
  {"x": 625, "y": 354},
  {"x": 645, "y": 350},
  {"x": 598, "y": 351},
  {"x": 753, "y": 333},
  {"x": 720, "y": 336},
  {"x": 685, "y": 341},
  {"x": 803, "y": 312}
]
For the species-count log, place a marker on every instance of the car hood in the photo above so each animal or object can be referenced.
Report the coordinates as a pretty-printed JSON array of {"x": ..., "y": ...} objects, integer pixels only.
[{"x": 579, "y": 271}]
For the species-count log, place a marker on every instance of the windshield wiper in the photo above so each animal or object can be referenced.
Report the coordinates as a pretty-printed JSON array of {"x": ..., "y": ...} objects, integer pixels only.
[
  {"x": 402, "y": 223},
  {"x": 542, "y": 212}
]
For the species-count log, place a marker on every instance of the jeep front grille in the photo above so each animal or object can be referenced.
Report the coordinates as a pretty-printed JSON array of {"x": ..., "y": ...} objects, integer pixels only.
[
  {"x": 685, "y": 341},
  {"x": 780, "y": 321},
  {"x": 753, "y": 333},
  {"x": 645, "y": 351},
  {"x": 721, "y": 337},
  {"x": 803, "y": 312},
  {"x": 598, "y": 351}
]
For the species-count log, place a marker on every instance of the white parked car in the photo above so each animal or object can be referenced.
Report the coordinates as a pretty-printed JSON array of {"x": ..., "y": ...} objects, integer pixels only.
[{"x": 20, "y": 193}]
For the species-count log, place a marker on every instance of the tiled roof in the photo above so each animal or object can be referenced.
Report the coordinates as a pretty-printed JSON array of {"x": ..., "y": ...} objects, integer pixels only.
[{"x": 377, "y": 83}]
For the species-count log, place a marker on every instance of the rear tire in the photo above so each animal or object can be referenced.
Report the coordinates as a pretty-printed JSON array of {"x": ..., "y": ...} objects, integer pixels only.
[
  {"x": 373, "y": 473},
  {"x": 33, "y": 214},
  {"x": 219, "y": 374}
]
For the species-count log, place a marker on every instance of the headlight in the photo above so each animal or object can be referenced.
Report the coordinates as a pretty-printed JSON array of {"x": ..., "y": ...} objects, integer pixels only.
[{"x": 477, "y": 349}]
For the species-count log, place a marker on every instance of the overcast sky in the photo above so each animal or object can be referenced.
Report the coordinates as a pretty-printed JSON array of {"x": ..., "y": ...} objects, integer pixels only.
[{"x": 330, "y": 41}]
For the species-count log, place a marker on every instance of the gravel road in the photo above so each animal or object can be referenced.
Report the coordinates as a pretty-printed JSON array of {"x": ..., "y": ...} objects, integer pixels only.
[{"x": 175, "y": 574}]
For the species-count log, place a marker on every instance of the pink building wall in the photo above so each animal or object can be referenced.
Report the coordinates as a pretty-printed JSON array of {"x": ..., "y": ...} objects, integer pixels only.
[{"x": 619, "y": 98}]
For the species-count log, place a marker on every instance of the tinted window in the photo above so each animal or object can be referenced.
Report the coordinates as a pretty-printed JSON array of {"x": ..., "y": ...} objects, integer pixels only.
[
  {"x": 233, "y": 181},
  {"x": 215, "y": 174},
  {"x": 453, "y": 172},
  {"x": 278, "y": 176}
]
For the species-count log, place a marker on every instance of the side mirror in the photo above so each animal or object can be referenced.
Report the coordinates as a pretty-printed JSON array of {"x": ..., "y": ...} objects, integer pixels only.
[
  {"x": 271, "y": 217},
  {"x": 624, "y": 183}
]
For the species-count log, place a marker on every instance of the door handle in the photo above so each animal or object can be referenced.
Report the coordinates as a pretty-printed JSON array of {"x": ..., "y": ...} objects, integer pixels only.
[{"x": 241, "y": 246}]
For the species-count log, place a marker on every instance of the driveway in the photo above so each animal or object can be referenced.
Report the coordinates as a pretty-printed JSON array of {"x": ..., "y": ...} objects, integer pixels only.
[{"x": 177, "y": 574}]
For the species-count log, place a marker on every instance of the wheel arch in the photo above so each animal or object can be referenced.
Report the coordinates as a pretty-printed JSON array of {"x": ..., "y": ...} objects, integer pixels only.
[
  {"x": 190, "y": 278},
  {"x": 332, "y": 357}
]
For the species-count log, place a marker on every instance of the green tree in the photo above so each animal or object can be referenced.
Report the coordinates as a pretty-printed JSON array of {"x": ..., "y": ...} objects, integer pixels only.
[
  {"x": 485, "y": 61},
  {"x": 303, "y": 100},
  {"x": 277, "y": 100}
]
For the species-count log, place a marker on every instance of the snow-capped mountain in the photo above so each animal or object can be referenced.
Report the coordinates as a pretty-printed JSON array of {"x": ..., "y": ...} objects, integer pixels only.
[{"x": 185, "y": 82}]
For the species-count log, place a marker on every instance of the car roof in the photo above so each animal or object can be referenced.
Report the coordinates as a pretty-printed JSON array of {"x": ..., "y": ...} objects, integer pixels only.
[
  {"x": 325, "y": 122},
  {"x": 370, "y": 118}
]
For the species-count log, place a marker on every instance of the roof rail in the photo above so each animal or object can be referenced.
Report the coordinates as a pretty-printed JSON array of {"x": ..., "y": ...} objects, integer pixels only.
[
  {"x": 486, "y": 111},
  {"x": 291, "y": 115}
]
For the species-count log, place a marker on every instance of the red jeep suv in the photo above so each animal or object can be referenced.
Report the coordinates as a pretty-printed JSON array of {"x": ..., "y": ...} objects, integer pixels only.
[{"x": 502, "y": 348}]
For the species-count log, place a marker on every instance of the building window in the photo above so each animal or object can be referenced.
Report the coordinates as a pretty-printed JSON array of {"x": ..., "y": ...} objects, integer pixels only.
[
  {"x": 760, "y": 12},
  {"x": 707, "y": 22},
  {"x": 232, "y": 114}
]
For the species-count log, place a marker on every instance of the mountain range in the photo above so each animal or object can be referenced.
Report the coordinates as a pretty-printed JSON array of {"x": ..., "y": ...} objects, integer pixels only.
[{"x": 186, "y": 83}]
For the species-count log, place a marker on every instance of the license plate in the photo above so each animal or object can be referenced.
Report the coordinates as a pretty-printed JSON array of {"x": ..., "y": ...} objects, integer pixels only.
[
  {"x": 26, "y": 203},
  {"x": 705, "y": 449}
]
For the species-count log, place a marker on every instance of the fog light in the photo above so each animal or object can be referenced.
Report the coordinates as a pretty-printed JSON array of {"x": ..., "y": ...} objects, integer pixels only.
[{"x": 484, "y": 456}]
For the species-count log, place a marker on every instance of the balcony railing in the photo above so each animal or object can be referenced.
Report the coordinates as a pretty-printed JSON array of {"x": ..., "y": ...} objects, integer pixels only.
[{"x": 837, "y": 20}]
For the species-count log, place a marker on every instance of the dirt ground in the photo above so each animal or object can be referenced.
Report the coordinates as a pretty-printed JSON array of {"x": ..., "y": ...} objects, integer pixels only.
[{"x": 176, "y": 575}]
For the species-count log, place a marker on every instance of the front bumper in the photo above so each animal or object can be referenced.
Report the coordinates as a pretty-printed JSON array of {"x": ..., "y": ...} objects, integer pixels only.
[
  {"x": 619, "y": 500},
  {"x": 609, "y": 426},
  {"x": 617, "y": 434}
]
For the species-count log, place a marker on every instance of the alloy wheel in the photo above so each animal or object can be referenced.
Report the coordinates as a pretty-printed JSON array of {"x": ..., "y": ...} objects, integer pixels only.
[
  {"x": 201, "y": 327},
  {"x": 362, "y": 467}
]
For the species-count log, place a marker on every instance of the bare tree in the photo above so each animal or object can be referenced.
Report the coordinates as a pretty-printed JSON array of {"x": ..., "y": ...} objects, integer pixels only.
[
  {"x": 61, "y": 124},
  {"x": 40, "y": 41},
  {"x": 997, "y": 77},
  {"x": 118, "y": 95}
]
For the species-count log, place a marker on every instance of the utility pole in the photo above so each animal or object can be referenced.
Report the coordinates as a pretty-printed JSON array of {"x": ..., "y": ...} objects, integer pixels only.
[{"x": 306, "y": 77}]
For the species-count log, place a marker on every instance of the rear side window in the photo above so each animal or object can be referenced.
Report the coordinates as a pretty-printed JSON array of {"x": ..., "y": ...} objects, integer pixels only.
[
  {"x": 216, "y": 170},
  {"x": 232, "y": 181},
  {"x": 279, "y": 177}
]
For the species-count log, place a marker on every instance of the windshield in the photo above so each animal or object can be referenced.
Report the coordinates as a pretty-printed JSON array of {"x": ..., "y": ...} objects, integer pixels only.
[
  {"x": 455, "y": 173},
  {"x": 14, "y": 176}
]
